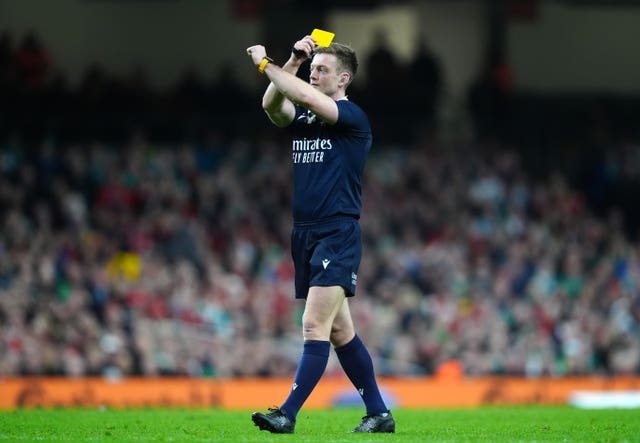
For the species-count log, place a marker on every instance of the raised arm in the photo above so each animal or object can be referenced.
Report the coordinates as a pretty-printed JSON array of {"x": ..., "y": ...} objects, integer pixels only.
[
  {"x": 285, "y": 88},
  {"x": 278, "y": 107}
]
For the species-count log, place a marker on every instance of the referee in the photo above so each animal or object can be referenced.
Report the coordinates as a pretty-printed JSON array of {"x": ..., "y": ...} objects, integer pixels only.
[{"x": 331, "y": 138}]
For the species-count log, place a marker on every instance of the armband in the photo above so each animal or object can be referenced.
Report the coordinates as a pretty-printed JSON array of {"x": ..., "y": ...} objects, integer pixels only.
[{"x": 263, "y": 64}]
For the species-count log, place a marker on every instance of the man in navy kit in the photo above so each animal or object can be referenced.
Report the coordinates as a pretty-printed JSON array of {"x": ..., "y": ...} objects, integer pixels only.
[{"x": 331, "y": 140}]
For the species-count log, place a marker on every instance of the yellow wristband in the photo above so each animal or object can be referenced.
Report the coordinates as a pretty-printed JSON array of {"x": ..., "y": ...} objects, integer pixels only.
[{"x": 263, "y": 64}]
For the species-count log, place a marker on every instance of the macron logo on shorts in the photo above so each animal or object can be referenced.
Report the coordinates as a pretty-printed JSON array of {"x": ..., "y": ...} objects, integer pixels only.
[{"x": 325, "y": 263}]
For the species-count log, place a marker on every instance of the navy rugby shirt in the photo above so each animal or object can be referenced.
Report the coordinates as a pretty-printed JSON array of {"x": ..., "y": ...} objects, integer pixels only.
[{"x": 328, "y": 161}]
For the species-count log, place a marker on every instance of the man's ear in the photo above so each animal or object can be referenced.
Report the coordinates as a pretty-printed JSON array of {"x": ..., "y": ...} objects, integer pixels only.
[{"x": 344, "y": 78}]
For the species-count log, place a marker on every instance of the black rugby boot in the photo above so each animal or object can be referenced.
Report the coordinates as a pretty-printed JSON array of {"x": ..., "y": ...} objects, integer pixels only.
[
  {"x": 276, "y": 421},
  {"x": 377, "y": 423}
]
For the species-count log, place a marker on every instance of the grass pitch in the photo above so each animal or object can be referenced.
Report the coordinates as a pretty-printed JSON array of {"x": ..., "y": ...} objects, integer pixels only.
[{"x": 491, "y": 424}]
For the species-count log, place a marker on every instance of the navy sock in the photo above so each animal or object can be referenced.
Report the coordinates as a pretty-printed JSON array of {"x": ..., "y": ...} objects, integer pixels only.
[
  {"x": 358, "y": 366},
  {"x": 310, "y": 369}
]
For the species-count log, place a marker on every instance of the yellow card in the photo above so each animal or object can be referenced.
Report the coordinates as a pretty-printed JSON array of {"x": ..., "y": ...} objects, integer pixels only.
[{"x": 323, "y": 38}]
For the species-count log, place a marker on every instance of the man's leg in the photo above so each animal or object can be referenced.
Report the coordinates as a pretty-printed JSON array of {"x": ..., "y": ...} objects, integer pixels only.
[
  {"x": 322, "y": 306},
  {"x": 357, "y": 364}
]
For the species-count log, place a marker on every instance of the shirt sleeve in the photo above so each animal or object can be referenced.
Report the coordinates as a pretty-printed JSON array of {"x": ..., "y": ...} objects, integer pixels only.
[{"x": 352, "y": 116}]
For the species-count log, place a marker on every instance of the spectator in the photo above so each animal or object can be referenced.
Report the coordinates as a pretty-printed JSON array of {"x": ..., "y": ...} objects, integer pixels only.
[
  {"x": 425, "y": 86},
  {"x": 521, "y": 278},
  {"x": 33, "y": 62}
]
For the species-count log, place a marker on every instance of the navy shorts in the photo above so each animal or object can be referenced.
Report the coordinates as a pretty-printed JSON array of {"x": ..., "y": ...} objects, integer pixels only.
[{"x": 326, "y": 253}]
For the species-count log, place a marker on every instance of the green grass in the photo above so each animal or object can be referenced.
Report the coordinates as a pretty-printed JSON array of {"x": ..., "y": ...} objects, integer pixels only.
[{"x": 491, "y": 424}]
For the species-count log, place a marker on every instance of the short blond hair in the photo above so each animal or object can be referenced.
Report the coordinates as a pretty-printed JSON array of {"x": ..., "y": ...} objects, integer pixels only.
[{"x": 345, "y": 54}]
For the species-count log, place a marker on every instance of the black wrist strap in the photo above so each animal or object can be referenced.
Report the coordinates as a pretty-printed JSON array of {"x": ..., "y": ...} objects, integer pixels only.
[{"x": 298, "y": 53}]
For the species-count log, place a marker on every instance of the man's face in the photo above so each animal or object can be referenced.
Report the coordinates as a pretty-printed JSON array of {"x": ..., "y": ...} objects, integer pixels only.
[{"x": 324, "y": 75}]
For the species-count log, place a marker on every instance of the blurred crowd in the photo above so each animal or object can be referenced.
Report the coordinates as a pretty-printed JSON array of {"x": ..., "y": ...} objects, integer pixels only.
[
  {"x": 123, "y": 255},
  {"x": 39, "y": 100},
  {"x": 156, "y": 260}
]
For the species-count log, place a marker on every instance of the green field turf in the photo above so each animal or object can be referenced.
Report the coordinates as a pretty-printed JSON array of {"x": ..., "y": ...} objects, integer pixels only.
[{"x": 512, "y": 424}]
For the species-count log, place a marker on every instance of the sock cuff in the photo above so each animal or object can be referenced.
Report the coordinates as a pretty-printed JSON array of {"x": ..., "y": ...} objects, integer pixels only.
[
  {"x": 317, "y": 347},
  {"x": 354, "y": 344}
]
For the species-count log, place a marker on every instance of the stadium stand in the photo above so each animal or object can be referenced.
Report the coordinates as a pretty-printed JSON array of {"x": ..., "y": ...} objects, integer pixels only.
[{"x": 141, "y": 236}]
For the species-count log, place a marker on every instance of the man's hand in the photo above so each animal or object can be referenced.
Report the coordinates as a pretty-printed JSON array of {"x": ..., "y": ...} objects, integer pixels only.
[
  {"x": 257, "y": 53},
  {"x": 303, "y": 48}
]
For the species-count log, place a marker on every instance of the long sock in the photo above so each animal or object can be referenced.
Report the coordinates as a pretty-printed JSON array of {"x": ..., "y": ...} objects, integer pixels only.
[
  {"x": 311, "y": 366},
  {"x": 358, "y": 366}
]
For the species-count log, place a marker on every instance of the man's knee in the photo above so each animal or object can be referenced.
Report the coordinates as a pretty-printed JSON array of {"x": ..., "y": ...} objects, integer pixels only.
[{"x": 314, "y": 328}]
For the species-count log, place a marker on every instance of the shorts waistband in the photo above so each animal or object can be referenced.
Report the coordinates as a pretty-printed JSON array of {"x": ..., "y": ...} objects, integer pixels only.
[{"x": 324, "y": 221}]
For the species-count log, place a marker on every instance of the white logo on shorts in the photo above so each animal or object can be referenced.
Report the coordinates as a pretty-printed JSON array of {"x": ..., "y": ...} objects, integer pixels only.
[{"x": 325, "y": 263}]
